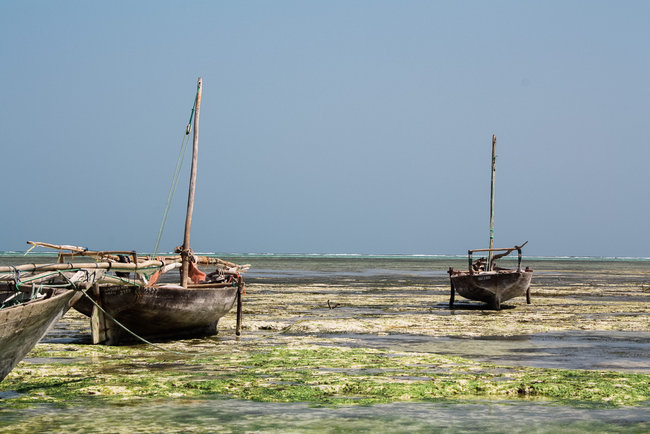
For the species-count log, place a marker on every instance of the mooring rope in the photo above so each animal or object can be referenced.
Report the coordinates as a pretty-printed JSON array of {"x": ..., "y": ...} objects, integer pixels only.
[
  {"x": 41, "y": 276},
  {"x": 75, "y": 287},
  {"x": 172, "y": 191},
  {"x": 125, "y": 328}
]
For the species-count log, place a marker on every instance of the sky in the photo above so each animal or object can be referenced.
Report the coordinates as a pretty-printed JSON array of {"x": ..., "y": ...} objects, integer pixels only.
[{"x": 339, "y": 126}]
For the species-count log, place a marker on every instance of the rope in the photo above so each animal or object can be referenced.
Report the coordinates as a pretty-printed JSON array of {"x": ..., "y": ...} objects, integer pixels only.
[
  {"x": 127, "y": 281},
  {"x": 172, "y": 191},
  {"x": 16, "y": 276},
  {"x": 76, "y": 288},
  {"x": 129, "y": 331},
  {"x": 140, "y": 338},
  {"x": 177, "y": 172},
  {"x": 69, "y": 281},
  {"x": 27, "y": 279}
]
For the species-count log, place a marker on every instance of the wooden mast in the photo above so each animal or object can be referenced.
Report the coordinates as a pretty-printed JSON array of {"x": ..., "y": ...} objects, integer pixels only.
[
  {"x": 185, "y": 253},
  {"x": 491, "y": 245}
]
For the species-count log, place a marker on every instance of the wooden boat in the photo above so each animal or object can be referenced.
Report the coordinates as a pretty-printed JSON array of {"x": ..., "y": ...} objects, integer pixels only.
[
  {"x": 162, "y": 310},
  {"x": 27, "y": 312},
  {"x": 494, "y": 286},
  {"x": 484, "y": 281},
  {"x": 127, "y": 303}
]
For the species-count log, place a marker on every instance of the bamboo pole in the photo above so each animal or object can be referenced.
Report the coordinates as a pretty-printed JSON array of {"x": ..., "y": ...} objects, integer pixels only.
[
  {"x": 205, "y": 260},
  {"x": 57, "y": 246},
  {"x": 491, "y": 244},
  {"x": 82, "y": 251},
  {"x": 119, "y": 266},
  {"x": 190, "y": 197},
  {"x": 498, "y": 250},
  {"x": 112, "y": 254}
]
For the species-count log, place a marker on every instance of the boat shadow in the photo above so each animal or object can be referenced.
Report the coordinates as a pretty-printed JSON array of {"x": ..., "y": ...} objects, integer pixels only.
[
  {"x": 471, "y": 306},
  {"x": 84, "y": 338}
]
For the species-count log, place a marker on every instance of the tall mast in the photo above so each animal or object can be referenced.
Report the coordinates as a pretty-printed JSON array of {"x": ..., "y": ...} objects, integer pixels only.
[
  {"x": 190, "y": 198},
  {"x": 494, "y": 160}
]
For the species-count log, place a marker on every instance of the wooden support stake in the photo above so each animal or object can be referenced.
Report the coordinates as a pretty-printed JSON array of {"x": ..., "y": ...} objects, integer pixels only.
[
  {"x": 240, "y": 290},
  {"x": 451, "y": 295},
  {"x": 97, "y": 319}
]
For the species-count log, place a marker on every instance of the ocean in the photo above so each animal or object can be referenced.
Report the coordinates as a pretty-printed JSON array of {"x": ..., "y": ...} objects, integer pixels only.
[{"x": 587, "y": 314}]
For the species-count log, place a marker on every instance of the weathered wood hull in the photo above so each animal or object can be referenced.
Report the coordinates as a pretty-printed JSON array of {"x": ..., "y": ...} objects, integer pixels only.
[
  {"x": 22, "y": 326},
  {"x": 164, "y": 311},
  {"x": 492, "y": 287}
]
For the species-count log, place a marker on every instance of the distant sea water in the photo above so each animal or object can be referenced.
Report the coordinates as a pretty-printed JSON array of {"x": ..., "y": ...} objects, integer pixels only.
[
  {"x": 419, "y": 269},
  {"x": 351, "y": 263},
  {"x": 416, "y": 271}
]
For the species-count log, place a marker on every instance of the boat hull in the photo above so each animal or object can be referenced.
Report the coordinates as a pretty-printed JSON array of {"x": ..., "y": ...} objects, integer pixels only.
[
  {"x": 492, "y": 287},
  {"x": 163, "y": 311},
  {"x": 22, "y": 326}
]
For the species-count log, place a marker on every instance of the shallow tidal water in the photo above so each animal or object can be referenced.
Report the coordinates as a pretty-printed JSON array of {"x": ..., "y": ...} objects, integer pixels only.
[
  {"x": 217, "y": 415},
  {"x": 585, "y": 315}
]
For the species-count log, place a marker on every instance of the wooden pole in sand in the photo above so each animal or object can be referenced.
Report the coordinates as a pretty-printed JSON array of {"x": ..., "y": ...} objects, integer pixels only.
[
  {"x": 240, "y": 290},
  {"x": 491, "y": 245},
  {"x": 190, "y": 199}
]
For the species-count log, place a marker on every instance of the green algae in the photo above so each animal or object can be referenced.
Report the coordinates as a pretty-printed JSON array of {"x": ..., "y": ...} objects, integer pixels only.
[
  {"x": 285, "y": 355},
  {"x": 313, "y": 374}
]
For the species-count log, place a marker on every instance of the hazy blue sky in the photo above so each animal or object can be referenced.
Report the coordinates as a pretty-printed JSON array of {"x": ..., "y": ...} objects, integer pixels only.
[{"x": 328, "y": 126}]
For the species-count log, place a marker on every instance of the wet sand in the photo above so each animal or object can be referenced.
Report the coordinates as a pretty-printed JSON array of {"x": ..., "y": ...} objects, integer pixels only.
[
  {"x": 582, "y": 315},
  {"x": 582, "y": 318}
]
